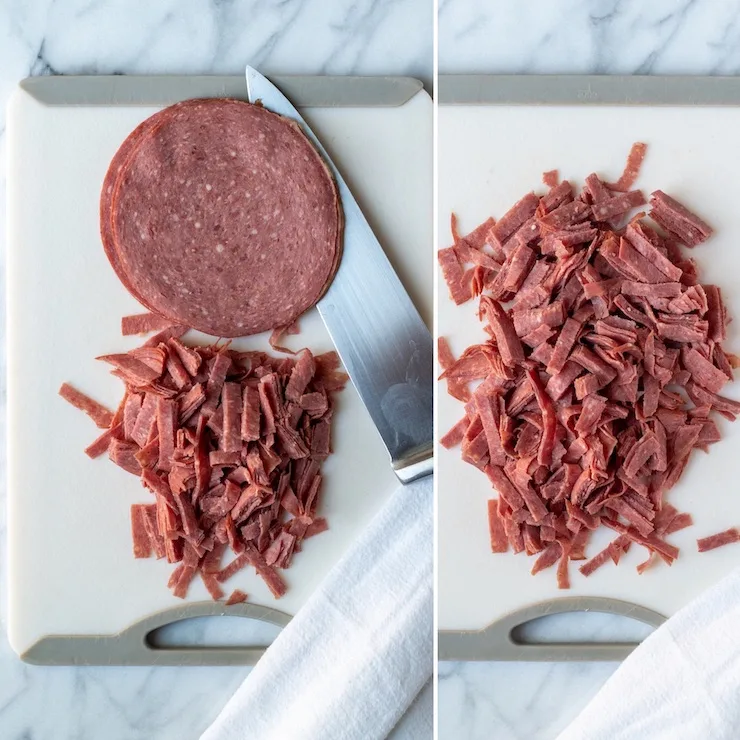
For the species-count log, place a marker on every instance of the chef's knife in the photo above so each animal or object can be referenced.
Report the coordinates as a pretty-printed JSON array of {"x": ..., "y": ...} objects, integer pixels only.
[{"x": 383, "y": 343}]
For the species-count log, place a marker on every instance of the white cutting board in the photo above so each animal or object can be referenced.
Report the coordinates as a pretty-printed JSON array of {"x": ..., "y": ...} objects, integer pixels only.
[
  {"x": 71, "y": 567},
  {"x": 490, "y": 156}
]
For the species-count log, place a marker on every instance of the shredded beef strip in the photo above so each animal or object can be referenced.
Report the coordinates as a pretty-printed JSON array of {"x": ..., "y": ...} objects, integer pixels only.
[
  {"x": 678, "y": 220},
  {"x": 277, "y": 336},
  {"x": 600, "y": 370},
  {"x": 631, "y": 168},
  {"x": 551, "y": 178},
  {"x": 236, "y": 597},
  {"x": 96, "y": 411},
  {"x": 143, "y": 323},
  {"x": 191, "y": 426},
  {"x": 719, "y": 540}
]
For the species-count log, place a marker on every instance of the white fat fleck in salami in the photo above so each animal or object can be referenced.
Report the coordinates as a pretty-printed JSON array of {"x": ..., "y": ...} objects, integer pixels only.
[{"x": 220, "y": 215}]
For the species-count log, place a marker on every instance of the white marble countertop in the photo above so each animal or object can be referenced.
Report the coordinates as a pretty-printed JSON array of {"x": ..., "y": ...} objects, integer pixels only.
[
  {"x": 170, "y": 36},
  {"x": 535, "y": 701}
]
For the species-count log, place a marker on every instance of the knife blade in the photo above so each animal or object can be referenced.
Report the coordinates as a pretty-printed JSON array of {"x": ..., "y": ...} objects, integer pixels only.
[{"x": 384, "y": 345}]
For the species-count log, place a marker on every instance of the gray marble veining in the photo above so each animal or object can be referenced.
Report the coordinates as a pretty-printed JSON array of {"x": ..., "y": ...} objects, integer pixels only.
[
  {"x": 529, "y": 701},
  {"x": 600, "y": 37},
  {"x": 171, "y": 36},
  {"x": 514, "y": 701}
]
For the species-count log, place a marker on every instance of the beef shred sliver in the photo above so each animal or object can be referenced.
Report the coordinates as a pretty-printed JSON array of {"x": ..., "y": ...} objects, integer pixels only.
[
  {"x": 600, "y": 372},
  {"x": 230, "y": 446}
]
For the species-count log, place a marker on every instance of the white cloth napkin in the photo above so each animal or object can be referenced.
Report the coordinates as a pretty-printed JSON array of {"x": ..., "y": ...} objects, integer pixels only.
[
  {"x": 681, "y": 683},
  {"x": 354, "y": 658},
  {"x": 418, "y": 722}
]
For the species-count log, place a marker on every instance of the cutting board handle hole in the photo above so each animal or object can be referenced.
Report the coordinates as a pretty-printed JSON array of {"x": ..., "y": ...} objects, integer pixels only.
[
  {"x": 212, "y": 632},
  {"x": 580, "y": 628}
]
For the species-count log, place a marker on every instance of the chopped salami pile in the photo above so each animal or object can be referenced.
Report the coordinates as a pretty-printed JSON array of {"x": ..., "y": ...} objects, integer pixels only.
[
  {"x": 230, "y": 445},
  {"x": 601, "y": 371}
]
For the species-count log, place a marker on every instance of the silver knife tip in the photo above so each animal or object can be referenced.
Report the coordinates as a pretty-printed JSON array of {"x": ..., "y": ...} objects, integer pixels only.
[{"x": 252, "y": 76}]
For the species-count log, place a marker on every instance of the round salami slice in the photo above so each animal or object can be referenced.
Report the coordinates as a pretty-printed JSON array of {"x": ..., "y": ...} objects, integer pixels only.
[
  {"x": 221, "y": 215},
  {"x": 110, "y": 187},
  {"x": 107, "y": 195}
]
